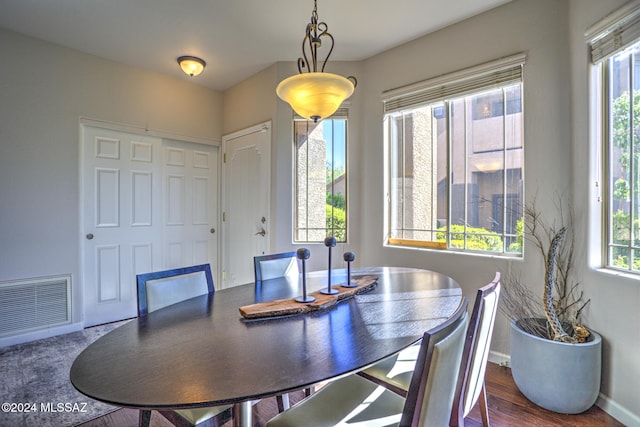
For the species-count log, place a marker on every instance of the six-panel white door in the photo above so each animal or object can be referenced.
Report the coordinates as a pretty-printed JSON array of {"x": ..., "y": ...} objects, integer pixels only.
[
  {"x": 148, "y": 205},
  {"x": 190, "y": 205}
]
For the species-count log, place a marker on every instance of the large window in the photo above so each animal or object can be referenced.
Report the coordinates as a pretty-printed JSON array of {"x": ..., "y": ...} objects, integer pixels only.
[
  {"x": 455, "y": 162},
  {"x": 320, "y": 179},
  {"x": 616, "y": 55}
]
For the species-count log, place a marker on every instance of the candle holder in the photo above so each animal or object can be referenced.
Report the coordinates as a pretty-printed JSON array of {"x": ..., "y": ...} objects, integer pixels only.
[
  {"x": 349, "y": 257},
  {"x": 304, "y": 254},
  {"x": 329, "y": 242}
]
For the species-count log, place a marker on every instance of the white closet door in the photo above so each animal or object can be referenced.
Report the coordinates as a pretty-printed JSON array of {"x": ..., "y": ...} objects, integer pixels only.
[
  {"x": 122, "y": 228},
  {"x": 190, "y": 204},
  {"x": 148, "y": 205}
]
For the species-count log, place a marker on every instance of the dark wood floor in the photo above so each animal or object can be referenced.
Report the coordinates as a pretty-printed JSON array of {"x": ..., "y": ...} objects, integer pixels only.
[{"x": 507, "y": 408}]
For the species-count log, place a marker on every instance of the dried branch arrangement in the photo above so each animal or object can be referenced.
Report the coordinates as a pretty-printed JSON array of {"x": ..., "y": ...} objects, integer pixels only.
[{"x": 560, "y": 302}]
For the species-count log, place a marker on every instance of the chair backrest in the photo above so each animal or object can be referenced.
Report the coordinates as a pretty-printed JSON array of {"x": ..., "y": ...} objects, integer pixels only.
[
  {"x": 476, "y": 350},
  {"x": 162, "y": 288},
  {"x": 433, "y": 383},
  {"x": 275, "y": 265}
]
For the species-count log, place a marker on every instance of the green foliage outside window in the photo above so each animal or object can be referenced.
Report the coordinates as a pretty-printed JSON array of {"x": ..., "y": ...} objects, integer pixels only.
[
  {"x": 336, "y": 223},
  {"x": 620, "y": 129},
  {"x": 481, "y": 239},
  {"x": 621, "y": 236},
  {"x": 336, "y": 200},
  {"x": 478, "y": 239},
  {"x": 516, "y": 245},
  {"x": 624, "y": 137}
]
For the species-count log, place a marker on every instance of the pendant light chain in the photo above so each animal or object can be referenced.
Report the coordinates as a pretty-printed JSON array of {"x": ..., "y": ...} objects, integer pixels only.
[
  {"x": 312, "y": 41},
  {"x": 314, "y": 94}
]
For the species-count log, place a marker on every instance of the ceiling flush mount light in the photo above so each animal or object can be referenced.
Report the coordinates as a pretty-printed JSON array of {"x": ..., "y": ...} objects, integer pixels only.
[
  {"x": 191, "y": 65},
  {"x": 315, "y": 94}
]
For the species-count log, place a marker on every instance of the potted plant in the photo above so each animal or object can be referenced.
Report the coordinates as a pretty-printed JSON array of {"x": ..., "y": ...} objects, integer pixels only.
[{"x": 555, "y": 360}]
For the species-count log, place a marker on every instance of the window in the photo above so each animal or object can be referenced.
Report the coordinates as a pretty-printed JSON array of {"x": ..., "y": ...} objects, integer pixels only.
[
  {"x": 615, "y": 53},
  {"x": 455, "y": 161},
  {"x": 320, "y": 179}
]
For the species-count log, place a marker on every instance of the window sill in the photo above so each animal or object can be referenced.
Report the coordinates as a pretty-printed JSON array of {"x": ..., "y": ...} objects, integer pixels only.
[
  {"x": 618, "y": 273},
  {"x": 422, "y": 244},
  {"x": 441, "y": 247}
]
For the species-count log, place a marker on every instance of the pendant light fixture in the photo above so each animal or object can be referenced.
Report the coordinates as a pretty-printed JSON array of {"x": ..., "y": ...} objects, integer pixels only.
[{"x": 315, "y": 94}]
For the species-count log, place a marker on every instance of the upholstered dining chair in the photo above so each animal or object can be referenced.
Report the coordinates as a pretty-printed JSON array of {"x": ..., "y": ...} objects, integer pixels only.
[
  {"x": 395, "y": 372},
  {"x": 471, "y": 386},
  {"x": 358, "y": 401},
  {"x": 163, "y": 288},
  {"x": 273, "y": 266}
]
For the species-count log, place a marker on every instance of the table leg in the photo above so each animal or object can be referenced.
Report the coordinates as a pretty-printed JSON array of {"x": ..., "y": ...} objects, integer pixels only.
[{"x": 242, "y": 414}]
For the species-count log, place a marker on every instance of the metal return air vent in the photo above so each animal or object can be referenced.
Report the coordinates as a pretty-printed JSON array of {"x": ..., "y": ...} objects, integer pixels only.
[{"x": 33, "y": 304}]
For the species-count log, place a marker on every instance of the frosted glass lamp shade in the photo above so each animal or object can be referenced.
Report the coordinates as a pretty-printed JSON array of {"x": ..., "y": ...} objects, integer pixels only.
[
  {"x": 315, "y": 95},
  {"x": 191, "y": 65}
]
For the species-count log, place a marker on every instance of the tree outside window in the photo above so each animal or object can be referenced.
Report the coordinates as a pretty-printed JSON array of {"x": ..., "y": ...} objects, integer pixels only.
[{"x": 623, "y": 87}]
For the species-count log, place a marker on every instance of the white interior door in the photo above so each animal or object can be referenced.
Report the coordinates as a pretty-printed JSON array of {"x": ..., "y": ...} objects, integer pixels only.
[
  {"x": 246, "y": 195},
  {"x": 190, "y": 204},
  {"x": 122, "y": 227},
  {"x": 148, "y": 205}
]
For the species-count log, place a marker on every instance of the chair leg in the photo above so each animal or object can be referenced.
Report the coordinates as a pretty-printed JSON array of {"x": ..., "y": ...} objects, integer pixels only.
[
  {"x": 484, "y": 408},
  {"x": 144, "y": 418},
  {"x": 283, "y": 402}
]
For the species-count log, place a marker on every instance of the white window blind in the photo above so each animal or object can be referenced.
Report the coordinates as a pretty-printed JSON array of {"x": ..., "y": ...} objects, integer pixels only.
[
  {"x": 491, "y": 75},
  {"x": 621, "y": 30}
]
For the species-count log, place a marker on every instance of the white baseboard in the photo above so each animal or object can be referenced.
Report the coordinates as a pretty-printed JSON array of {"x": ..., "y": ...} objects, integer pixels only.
[
  {"x": 40, "y": 334},
  {"x": 617, "y": 411},
  {"x": 609, "y": 406},
  {"x": 499, "y": 358}
]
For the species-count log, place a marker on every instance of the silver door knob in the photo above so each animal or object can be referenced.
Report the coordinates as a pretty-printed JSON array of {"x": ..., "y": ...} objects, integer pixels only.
[
  {"x": 261, "y": 233},
  {"x": 212, "y": 231},
  {"x": 89, "y": 236}
]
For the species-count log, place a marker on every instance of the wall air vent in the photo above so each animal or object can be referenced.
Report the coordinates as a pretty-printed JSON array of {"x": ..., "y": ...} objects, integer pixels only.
[{"x": 33, "y": 304}]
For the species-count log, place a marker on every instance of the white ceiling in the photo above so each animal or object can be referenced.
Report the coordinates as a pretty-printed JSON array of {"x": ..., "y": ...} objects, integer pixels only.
[{"x": 237, "y": 38}]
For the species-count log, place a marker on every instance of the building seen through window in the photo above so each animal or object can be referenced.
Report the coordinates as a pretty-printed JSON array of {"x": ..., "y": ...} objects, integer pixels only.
[
  {"x": 456, "y": 173},
  {"x": 320, "y": 206}
]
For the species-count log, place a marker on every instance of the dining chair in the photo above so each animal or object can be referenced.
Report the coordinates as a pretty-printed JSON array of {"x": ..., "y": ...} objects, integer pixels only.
[
  {"x": 395, "y": 372},
  {"x": 354, "y": 400},
  {"x": 273, "y": 266},
  {"x": 471, "y": 385},
  {"x": 160, "y": 289}
]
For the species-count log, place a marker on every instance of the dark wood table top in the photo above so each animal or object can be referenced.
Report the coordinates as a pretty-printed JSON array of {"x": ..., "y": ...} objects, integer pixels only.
[{"x": 201, "y": 352}]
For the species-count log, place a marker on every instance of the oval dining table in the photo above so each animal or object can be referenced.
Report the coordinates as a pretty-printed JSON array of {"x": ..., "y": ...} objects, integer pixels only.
[{"x": 202, "y": 352}]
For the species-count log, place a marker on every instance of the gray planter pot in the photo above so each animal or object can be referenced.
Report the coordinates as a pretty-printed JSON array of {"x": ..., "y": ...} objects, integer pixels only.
[{"x": 557, "y": 376}]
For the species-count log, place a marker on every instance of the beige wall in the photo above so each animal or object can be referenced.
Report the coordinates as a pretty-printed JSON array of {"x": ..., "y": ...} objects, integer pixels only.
[
  {"x": 615, "y": 299},
  {"x": 44, "y": 90},
  {"x": 250, "y": 102}
]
